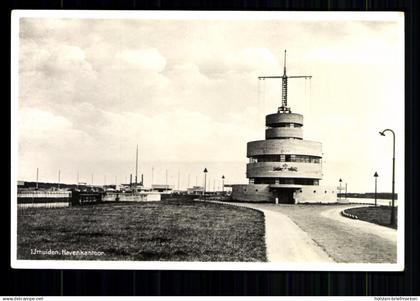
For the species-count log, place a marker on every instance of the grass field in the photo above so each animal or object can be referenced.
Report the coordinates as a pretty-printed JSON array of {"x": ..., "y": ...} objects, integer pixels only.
[
  {"x": 157, "y": 231},
  {"x": 380, "y": 215}
]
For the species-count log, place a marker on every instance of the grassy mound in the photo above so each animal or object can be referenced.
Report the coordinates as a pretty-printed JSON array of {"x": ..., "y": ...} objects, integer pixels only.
[{"x": 380, "y": 215}]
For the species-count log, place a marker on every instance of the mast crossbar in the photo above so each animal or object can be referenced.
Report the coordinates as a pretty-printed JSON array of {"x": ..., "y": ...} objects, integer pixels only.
[{"x": 284, "y": 77}]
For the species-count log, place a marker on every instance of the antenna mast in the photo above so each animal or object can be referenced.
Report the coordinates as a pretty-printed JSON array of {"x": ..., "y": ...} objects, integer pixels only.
[
  {"x": 137, "y": 158},
  {"x": 284, "y": 85},
  {"x": 284, "y": 108}
]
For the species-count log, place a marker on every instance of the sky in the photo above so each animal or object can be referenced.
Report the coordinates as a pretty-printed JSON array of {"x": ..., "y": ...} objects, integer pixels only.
[{"x": 187, "y": 92}]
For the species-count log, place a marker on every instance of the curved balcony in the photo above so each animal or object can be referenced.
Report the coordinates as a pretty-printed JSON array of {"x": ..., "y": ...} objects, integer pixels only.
[
  {"x": 286, "y": 185},
  {"x": 284, "y": 170},
  {"x": 273, "y": 120},
  {"x": 278, "y": 133},
  {"x": 284, "y": 146}
]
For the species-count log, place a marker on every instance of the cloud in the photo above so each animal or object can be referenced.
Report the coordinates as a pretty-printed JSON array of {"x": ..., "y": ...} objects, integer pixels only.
[
  {"x": 38, "y": 121},
  {"x": 67, "y": 59},
  {"x": 377, "y": 44},
  {"x": 45, "y": 136},
  {"x": 187, "y": 135},
  {"x": 142, "y": 59},
  {"x": 245, "y": 60}
]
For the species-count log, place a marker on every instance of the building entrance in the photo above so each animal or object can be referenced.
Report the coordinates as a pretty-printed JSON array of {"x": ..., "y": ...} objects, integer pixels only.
[{"x": 284, "y": 195}]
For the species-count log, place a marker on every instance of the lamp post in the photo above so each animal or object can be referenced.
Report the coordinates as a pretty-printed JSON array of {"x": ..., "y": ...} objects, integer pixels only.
[
  {"x": 376, "y": 185},
  {"x": 340, "y": 187},
  {"x": 223, "y": 184},
  {"x": 393, "y": 173},
  {"x": 345, "y": 193},
  {"x": 58, "y": 186},
  {"x": 205, "y": 181},
  {"x": 37, "y": 171}
]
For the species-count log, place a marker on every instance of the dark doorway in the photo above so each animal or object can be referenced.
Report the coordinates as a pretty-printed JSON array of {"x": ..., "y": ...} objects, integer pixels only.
[{"x": 284, "y": 195}]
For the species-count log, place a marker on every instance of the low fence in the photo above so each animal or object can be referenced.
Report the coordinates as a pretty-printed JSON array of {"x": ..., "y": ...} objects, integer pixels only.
[
  {"x": 52, "y": 199},
  {"x": 40, "y": 197},
  {"x": 369, "y": 201}
]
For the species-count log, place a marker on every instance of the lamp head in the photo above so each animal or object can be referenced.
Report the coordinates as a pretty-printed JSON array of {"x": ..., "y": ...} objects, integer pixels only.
[
  {"x": 376, "y": 174},
  {"x": 382, "y": 133},
  {"x": 205, "y": 170},
  {"x": 340, "y": 180},
  {"x": 223, "y": 177}
]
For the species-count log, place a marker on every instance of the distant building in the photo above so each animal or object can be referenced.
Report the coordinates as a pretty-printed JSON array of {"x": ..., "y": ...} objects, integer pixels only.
[
  {"x": 195, "y": 190},
  {"x": 162, "y": 187}
]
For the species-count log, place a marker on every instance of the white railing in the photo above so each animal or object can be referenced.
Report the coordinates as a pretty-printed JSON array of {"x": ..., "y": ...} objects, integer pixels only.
[{"x": 44, "y": 194}]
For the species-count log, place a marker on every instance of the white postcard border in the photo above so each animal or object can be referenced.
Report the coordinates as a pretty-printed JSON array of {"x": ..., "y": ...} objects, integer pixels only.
[{"x": 162, "y": 265}]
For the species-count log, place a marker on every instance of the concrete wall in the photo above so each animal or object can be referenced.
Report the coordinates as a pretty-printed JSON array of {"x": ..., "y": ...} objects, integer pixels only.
[
  {"x": 252, "y": 193},
  {"x": 284, "y": 146},
  {"x": 283, "y": 118},
  {"x": 38, "y": 197},
  {"x": 44, "y": 194},
  {"x": 284, "y": 133},
  {"x": 152, "y": 197},
  {"x": 128, "y": 197},
  {"x": 306, "y": 194},
  {"x": 284, "y": 170},
  {"x": 316, "y": 194}
]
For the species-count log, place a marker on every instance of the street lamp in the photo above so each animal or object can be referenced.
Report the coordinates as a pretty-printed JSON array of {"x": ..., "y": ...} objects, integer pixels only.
[
  {"x": 205, "y": 181},
  {"x": 223, "y": 184},
  {"x": 376, "y": 185},
  {"x": 340, "y": 187},
  {"x": 393, "y": 173}
]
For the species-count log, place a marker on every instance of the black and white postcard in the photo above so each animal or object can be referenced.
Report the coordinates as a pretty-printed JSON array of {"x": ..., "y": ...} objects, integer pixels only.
[{"x": 208, "y": 140}]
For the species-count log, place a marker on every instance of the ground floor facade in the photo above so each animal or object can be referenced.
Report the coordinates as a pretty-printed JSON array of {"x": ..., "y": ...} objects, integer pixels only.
[{"x": 266, "y": 193}]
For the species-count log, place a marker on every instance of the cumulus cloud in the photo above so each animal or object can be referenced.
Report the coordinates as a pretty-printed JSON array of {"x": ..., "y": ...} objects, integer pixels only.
[
  {"x": 46, "y": 138},
  {"x": 66, "y": 59},
  {"x": 142, "y": 59}
]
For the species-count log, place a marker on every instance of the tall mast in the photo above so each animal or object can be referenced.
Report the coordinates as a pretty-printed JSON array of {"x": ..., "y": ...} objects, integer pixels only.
[
  {"x": 284, "y": 86},
  {"x": 284, "y": 108},
  {"x": 284, "y": 63},
  {"x": 137, "y": 158}
]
